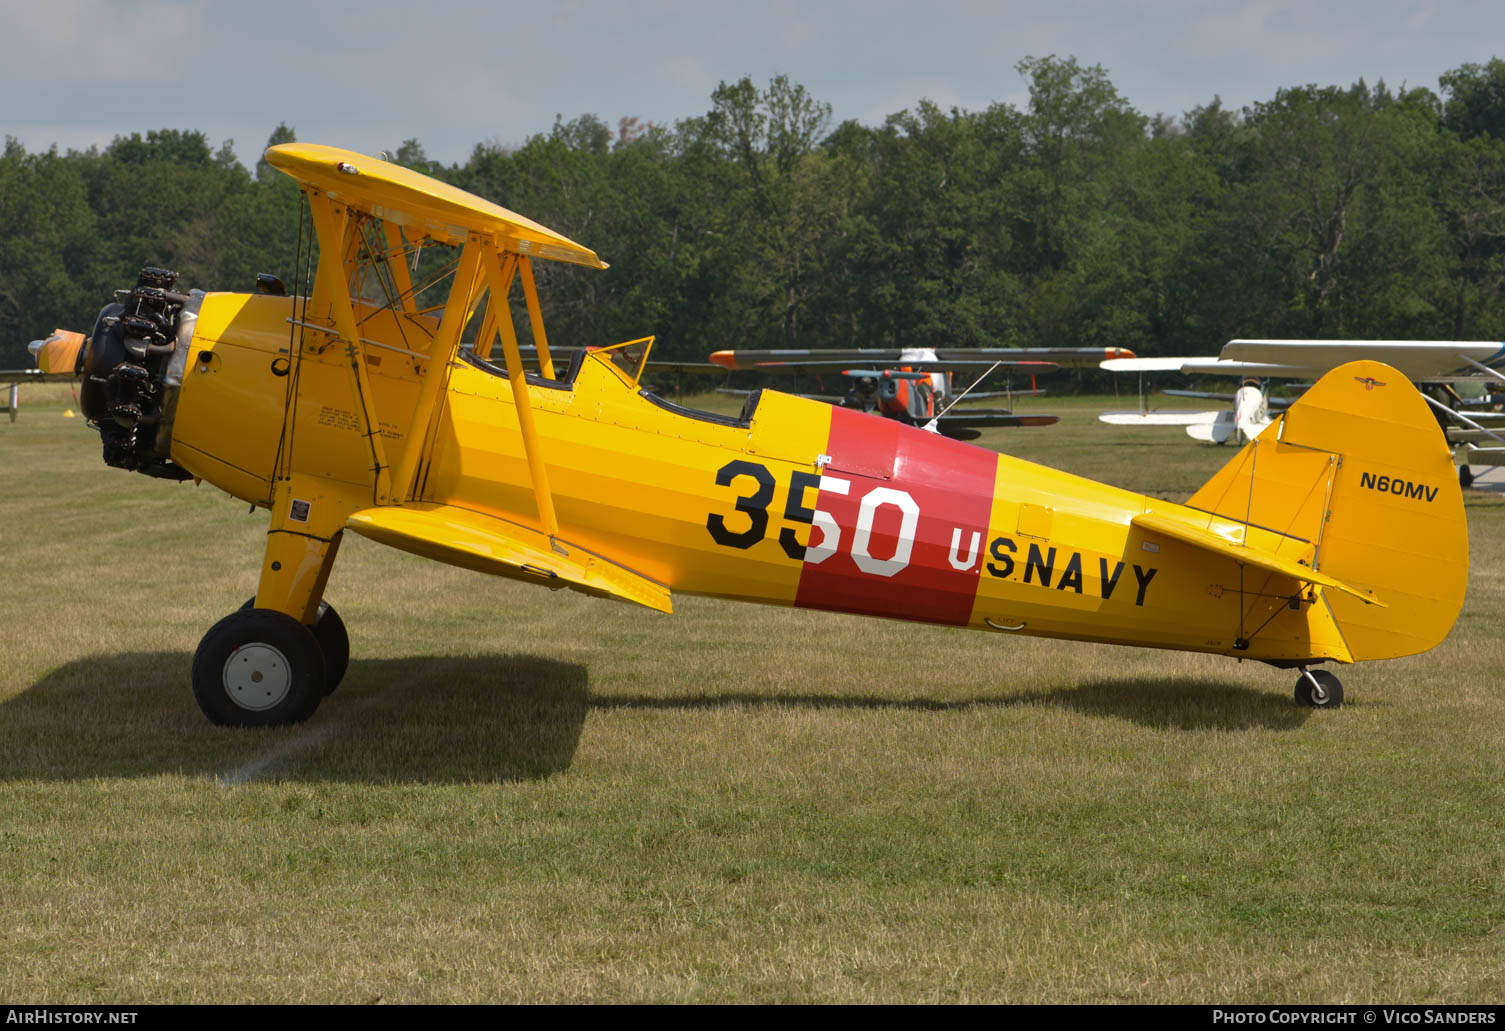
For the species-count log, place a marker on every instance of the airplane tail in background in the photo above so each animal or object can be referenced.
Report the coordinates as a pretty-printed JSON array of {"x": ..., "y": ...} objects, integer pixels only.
[{"x": 1359, "y": 468}]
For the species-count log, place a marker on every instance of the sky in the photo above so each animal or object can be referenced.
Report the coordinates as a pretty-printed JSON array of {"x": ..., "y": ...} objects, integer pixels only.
[{"x": 455, "y": 73}]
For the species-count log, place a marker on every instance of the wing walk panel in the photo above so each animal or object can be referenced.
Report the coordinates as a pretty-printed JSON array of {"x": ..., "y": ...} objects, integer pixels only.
[{"x": 503, "y": 548}]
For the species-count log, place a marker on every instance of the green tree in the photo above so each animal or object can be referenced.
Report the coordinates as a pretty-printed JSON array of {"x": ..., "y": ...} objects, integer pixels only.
[
  {"x": 1322, "y": 159},
  {"x": 1475, "y": 104},
  {"x": 48, "y": 237},
  {"x": 1468, "y": 194}
]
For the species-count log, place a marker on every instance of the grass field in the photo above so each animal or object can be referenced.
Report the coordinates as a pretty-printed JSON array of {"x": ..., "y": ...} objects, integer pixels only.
[{"x": 525, "y": 796}]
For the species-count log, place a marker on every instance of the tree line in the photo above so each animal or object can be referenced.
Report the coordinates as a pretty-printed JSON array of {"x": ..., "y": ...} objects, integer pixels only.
[{"x": 1076, "y": 220}]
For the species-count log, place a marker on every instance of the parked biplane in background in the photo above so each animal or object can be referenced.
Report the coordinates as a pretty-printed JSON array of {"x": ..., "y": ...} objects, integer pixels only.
[
  {"x": 357, "y": 407},
  {"x": 1245, "y": 414},
  {"x": 1443, "y": 370},
  {"x": 917, "y": 386},
  {"x": 54, "y": 371}
]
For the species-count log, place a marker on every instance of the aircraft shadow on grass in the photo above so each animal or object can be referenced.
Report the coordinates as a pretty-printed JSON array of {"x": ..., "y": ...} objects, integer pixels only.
[
  {"x": 445, "y": 719},
  {"x": 1185, "y": 703},
  {"x": 424, "y": 719}
]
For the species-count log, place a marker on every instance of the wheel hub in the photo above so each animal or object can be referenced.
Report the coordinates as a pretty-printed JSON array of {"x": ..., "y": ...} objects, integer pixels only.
[
  {"x": 257, "y": 676},
  {"x": 1319, "y": 693}
]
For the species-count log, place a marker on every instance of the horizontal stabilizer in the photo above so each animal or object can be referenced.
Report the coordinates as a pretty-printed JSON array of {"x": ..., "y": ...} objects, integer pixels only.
[
  {"x": 490, "y": 545},
  {"x": 1209, "y": 541},
  {"x": 1216, "y": 432}
]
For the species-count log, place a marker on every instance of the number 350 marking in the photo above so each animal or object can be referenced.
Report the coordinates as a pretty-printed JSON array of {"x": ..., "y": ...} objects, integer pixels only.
[{"x": 755, "y": 507}]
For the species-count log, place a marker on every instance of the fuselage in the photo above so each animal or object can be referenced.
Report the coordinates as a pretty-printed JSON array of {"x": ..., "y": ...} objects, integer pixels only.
[{"x": 795, "y": 502}]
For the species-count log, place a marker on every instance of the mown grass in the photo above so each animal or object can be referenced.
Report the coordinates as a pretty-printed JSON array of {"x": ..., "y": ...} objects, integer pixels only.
[{"x": 526, "y": 796}]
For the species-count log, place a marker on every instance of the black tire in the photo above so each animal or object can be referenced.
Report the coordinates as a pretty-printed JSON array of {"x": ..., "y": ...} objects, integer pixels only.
[
  {"x": 1465, "y": 477},
  {"x": 1326, "y": 693},
  {"x": 258, "y": 668},
  {"x": 334, "y": 642}
]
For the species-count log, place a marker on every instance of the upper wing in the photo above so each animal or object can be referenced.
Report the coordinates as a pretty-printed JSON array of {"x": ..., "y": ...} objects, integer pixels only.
[
  {"x": 945, "y": 358},
  {"x": 1415, "y": 359},
  {"x": 1066, "y": 357},
  {"x": 1210, "y": 367},
  {"x": 415, "y": 201},
  {"x": 915, "y": 364}
]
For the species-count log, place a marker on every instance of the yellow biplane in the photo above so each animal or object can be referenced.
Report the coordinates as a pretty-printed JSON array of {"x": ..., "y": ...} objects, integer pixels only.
[{"x": 390, "y": 399}]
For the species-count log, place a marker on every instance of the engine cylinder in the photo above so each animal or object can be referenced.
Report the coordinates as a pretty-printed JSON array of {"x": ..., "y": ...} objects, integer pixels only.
[{"x": 129, "y": 388}]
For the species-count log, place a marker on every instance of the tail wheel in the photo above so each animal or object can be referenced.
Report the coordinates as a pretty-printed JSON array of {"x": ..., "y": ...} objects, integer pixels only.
[
  {"x": 1319, "y": 689},
  {"x": 258, "y": 668},
  {"x": 334, "y": 642}
]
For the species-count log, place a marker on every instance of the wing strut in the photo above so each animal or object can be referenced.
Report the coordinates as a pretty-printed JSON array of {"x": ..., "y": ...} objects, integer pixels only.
[
  {"x": 333, "y": 284},
  {"x": 441, "y": 350},
  {"x": 499, "y": 281},
  {"x": 496, "y": 304},
  {"x": 535, "y": 317},
  {"x": 395, "y": 255}
]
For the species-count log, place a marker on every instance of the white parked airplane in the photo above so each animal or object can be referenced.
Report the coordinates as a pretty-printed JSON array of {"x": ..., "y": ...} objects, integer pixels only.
[{"x": 1438, "y": 367}]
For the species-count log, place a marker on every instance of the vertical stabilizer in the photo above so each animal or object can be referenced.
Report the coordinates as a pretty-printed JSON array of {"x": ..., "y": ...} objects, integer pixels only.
[{"x": 1358, "y": 467}]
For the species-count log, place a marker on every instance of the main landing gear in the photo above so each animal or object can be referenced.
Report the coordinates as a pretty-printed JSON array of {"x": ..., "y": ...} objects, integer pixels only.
[
  {"x": 261, "y": 668},
  {"x": 1319, "y": 689}
]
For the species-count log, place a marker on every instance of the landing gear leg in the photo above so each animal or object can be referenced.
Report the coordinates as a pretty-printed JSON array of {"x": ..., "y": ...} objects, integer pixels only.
[
  {"x": 272, "y": 662},
  {"x": 1319, "y": 689}
]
